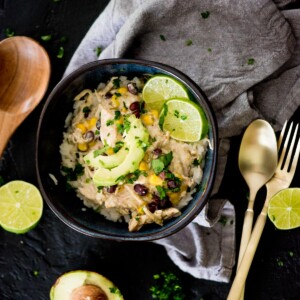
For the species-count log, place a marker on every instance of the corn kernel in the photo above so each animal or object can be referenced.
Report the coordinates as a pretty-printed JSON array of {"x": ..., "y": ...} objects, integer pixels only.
[
  {"x": 82, "y": 147},
  {"x": 143, "y": 166},
  {"x": 81, "y": 127},
  {"x": 115, "y": 101},
  {"x": 147, "y": 119},
  {"x": 140, "y": 210},
  {"x": 123, "y": 110},
  {"x": 110, "y": 151},
  {"x": 120, "y": 121},
  {"x": 91, "y": 144},
  {"x": 155, "y": 180},
  {"x": 154, "y": 113},
  {"x": 122, "y": 90},
  {"x": 174, "y": 197},
  {"x": 91, "y": 122}
]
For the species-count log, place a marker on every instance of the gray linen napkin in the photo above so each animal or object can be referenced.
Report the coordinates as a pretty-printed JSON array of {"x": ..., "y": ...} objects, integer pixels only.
[{"x": 230, "y": 48}]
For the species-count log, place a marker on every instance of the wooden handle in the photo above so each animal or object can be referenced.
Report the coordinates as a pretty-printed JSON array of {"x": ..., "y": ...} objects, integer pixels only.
[
  {"x": 246, "y": 233},
  {"x": 242, "y": 272}
]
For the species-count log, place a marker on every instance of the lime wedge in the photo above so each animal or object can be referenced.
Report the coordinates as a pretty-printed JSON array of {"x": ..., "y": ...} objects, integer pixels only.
[
  {"x": 184, "y": 119},
  {"x": 160, "y": 88},
  {"x": 284, "y": 209},
  {"x": 21, "y": 206}
]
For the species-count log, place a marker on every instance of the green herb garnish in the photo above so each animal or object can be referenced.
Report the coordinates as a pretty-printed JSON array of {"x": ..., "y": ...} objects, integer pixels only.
[
  {"x": 162, "y": 37},
  {"x": 116, "y": 83},
  {"x": 61, "y": 52},
  {"x": 117, "y": 115},
  {"x": 251, "y": 61},
  {"x": 188, "y": 42},
  {"x": 86, "y": 110},
  {"x": 9, "y": 32},
  {"x": 109, "y": 122},
  {"x": 167, "y": 286},
  {"x": 205, "y": 14},
  {"x": 209, "y": 49},
  {"x": 98, "y": 51},
  {"x": 162, "y": 162},
  {"x": 161, "y": 192},
  {"x": 46, "y": 38}
]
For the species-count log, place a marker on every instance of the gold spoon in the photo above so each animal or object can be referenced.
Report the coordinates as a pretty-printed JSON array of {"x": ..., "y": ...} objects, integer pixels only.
[
  {"x": 257, "y": 163},
  {"x": 25, "y": 72}
]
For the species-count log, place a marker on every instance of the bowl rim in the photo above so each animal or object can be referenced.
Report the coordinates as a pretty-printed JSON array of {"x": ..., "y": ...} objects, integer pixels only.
[{"x": 162, "y": 232}]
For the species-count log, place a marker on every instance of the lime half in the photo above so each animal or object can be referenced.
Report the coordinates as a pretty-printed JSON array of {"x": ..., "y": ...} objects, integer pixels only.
[
  {"x": 160, "y": 88},
  {"x": 21, "y": 206},
  {"x": 284, "y": 209},
  {"x": 184, "y": 119}
]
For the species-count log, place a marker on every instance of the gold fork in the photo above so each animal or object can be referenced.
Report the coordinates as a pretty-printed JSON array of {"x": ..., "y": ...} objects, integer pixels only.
[{"x": 282, "y": 179}]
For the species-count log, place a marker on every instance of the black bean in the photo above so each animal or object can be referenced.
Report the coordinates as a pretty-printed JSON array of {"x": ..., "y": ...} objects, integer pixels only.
[
  {"x": 162, "y": 175},
  {"x": 172, "y": 184},
  {"x": 89, "y": 136},
  {"x": 137, "y": 113},
  {"x": 157, "y": 152},
  {"x": 98, "y": 124},
  {"x": 108, "y": 95},
  {"x": 134, "y": 106},
  {"x": 86, "y": 114},
  {"x": 131, "y": 86},
  {"x": 165, "y": 203},
  {"x": 152, "y": 206},
  {"x": 111, "y": 189},
  {"x": 140, "y": 189},
  {"x": 155, "y": 198}
]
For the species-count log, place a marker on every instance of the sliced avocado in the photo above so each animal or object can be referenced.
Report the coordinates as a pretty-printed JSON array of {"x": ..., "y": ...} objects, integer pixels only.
[
  {"x": 81, "y": 284},
  {"x": 135, "y": 140},
  {"x": 107, "y": 162}
]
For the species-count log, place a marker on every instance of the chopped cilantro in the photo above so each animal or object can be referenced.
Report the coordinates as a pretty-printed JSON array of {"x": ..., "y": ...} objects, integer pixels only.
[
  {"x": 97, "y": 132},
  {"x": 86, "y": 110},
  {"x": 117, "y": 94},
  {"x": 196, "y": 162},
  {"x": 183, "y": 117},
  {"x": 116, "y": 83},
  {"x": 161, "y": 162},
  {"x": 117, "y": 115},
  {"x": 126, "y": 125},
  {"x": 61, "y": 52},
  {"x": 98, "y": 51},
  {"x": 205, "y": 14},
  {"x": 223, "y": 220},
  {"x": 109, "y": 122},
  {"x": 209, "y": 49},
  {"x": 176, "y": 113},
  {"x": 161, "y": 192},
  {"x": 71, "y": 174},
  {"x": 9, "y": 32},
  {"x": 167, "y": 286},
  {"x": 118, "y": 146},
  {"x": 280, "y": 262},
  {"x": 46, "y": 38},
  {"x": 162, "y": 37},
  {"x": 188, "y": 42},
  {"x": 251, "y": 61}
]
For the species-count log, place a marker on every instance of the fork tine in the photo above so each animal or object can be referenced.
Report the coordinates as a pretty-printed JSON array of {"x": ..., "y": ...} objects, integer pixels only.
[
  {"x": 296, "y": 157},
  {"x": 285, "y": 143},
  {"x": 281, "y": 135},
  {"x": 289, "y": 155}
]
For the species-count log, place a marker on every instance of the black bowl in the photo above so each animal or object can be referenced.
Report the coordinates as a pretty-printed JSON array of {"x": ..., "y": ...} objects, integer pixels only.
[{"x": 50, "y": 134}]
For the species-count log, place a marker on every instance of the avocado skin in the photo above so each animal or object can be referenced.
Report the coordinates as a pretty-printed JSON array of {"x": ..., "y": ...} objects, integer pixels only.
[{"x": 66, "y": 283}]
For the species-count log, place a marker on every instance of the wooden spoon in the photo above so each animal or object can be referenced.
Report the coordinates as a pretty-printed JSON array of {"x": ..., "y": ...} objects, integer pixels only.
[{"x": 25, "y": 73}]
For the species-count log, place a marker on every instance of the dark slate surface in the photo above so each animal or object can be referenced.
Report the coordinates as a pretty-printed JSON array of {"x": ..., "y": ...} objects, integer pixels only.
[{"x": 52, "y": 248}]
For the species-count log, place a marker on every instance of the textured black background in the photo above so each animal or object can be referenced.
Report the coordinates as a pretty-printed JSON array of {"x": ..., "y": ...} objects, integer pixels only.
[{"x": 52, "y": 248}]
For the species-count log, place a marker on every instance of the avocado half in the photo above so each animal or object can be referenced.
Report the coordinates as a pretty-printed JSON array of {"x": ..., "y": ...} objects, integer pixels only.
[{"x": 81, "y": 285}]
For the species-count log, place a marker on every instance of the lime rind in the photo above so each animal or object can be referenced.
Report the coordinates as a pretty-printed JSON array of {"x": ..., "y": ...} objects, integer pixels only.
[
  {"x": 160, "y": 88},
  {"x": 21, "y": 206},
  {"x": 184, "y": 119},
  {"x": 284, "y": 209}
]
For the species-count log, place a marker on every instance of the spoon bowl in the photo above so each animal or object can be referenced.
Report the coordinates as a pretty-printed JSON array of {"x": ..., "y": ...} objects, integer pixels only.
[
  {"x": 257, "y": 163},
  {"x": 25, "y": 73}
]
